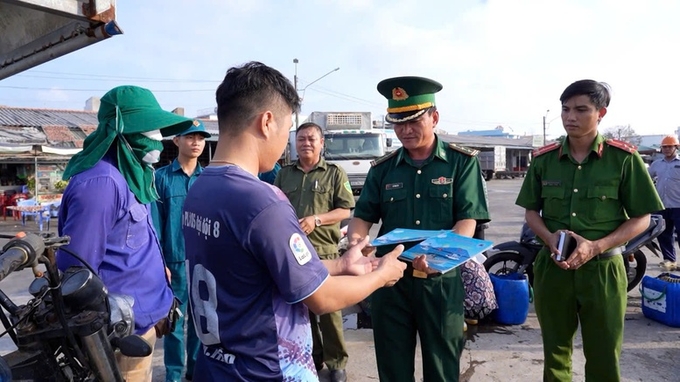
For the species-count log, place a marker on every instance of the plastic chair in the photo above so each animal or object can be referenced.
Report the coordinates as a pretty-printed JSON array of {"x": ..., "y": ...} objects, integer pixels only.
[{"x": 39, "y": 216}]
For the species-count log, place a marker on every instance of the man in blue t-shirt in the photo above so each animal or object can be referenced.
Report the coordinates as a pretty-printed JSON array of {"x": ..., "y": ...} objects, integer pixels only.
[{"x": 252, "y": 272}]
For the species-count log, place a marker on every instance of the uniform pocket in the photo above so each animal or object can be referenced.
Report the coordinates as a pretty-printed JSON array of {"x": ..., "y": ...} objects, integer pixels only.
[
  {"x": 137, "y": 233},
  {"x": 394, "y": 205},
  {"x": 322, "y": 198},
  {"x": 603, "y": 201},
  {"x": 442, "y": 204},
  {"x": 554, "y": 203}
]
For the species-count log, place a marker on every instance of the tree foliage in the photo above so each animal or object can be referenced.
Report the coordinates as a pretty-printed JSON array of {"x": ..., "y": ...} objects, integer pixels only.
[{"x": 623, "y": 133}]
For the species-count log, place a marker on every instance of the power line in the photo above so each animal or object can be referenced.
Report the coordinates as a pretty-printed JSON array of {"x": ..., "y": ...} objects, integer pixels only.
[
  {"x": 160, "y": 80},
  {"x": 104, "y": 90},
  {"x": 90, "y": 75}
]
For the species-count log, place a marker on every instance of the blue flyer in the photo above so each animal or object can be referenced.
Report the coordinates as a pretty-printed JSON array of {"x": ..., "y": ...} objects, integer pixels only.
[
  {"x": 404, "y": 235},
  {"x": 445, "y": 250}
]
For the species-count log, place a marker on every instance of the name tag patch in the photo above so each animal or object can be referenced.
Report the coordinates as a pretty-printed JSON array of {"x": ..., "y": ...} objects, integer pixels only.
[
  {"x": 299, "y": 248},
  {"x": 442, "y": 180},
  {"x": 553, "y": 183},
  {"x": 394, "y": 186}
]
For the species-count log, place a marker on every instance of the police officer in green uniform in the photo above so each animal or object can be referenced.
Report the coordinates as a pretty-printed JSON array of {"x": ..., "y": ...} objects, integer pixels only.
[
  {"x": 426, "y": 184},
  {"x": 599, "y": 192},
  {"x": 322, "y": 197}
]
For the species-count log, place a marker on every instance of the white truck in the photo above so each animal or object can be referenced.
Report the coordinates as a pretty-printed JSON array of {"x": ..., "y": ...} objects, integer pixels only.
[{"x": 351, "y": 142}]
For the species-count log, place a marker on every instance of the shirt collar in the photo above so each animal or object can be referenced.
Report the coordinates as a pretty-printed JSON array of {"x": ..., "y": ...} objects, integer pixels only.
[
  {"x": 438, "y": 152},
  {"x": 596, "y": 147},
  {"x": 177, "y": 167},
  {"x": 321, "y": 164}
]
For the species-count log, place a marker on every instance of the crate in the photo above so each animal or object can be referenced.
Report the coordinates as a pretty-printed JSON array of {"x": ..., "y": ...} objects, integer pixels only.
[{"x": 661, "y": 298}]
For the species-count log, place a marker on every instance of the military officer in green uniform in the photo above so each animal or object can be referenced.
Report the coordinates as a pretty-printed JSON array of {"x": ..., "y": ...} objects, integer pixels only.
[
  {"x": 322, "y": 197},
  {"x": 426, "y": 184},
  {"x": 599, "y": 192}
]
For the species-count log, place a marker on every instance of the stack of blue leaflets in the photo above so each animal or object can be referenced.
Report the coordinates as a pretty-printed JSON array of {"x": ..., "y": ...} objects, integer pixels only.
[{"x": 444, "y": 249}]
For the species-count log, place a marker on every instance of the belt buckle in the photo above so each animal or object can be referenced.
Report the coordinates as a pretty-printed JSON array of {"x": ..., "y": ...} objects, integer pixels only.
[{"x": 419, "y": 274}]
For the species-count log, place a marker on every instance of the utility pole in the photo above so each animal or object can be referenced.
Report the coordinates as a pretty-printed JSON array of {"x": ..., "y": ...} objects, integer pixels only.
[
  {"x": 297, "y": 112},
  {"x": 546, "y": 114}
]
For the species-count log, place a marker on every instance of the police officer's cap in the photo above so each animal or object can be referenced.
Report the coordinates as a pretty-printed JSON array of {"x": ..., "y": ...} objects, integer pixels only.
[{"x": 408, "y": 97}]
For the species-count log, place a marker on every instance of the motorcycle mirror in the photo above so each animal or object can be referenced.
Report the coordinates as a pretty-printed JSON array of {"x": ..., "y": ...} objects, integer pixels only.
[{"x": 133, "y": 346}]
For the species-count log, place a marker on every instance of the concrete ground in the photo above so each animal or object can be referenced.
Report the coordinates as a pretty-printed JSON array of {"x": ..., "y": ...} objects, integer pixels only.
[{"x": 651, "y": 351}]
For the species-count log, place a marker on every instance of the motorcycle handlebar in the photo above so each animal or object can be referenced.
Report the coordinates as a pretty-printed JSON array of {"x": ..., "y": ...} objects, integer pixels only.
[{"x": 20, "y": 252}]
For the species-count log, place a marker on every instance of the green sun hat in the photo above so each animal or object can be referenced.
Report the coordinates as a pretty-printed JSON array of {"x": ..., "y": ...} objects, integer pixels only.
[
  {"x": 124, "y": 110},
  {"x": 408, "y": 97},
  {"x": 140, "y": 112}
]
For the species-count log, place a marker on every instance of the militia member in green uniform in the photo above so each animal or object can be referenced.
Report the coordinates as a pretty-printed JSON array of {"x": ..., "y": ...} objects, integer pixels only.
[
  {"x": 426, "y": 184},
  {"x": 599, "y": 192},
  {"x": 322, "y": 197}
]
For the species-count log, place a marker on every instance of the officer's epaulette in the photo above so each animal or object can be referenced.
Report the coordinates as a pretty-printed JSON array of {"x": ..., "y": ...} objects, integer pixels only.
[
  {"x": 625, "y": 146},
  {"x": 383, "y": 158},
  {"x": 546, "y": 149},
  {"x": 464, "y": 150}
]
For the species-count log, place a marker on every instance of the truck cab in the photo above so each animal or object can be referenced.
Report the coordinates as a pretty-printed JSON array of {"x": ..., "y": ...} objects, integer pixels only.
[{"x": 354, "y": 151}]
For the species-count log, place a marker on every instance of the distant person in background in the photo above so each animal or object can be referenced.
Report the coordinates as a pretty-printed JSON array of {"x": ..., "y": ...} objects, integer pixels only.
[
  {"x": 172, "y": 183},
  {"x": 269, "y": 176},
  {"x": 666, "y": 172}
]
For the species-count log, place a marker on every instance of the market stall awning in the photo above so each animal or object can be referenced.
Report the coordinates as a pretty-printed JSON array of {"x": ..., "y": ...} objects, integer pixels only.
[{"x": 33, "y": 153}]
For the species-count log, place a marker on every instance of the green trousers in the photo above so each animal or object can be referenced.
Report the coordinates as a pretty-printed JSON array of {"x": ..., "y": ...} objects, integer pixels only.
[
  {"x": 432, "y": 309},
  {"x": 594, "y": 296},
  {"x": 179, "y": 350},
  {"x": 327, "y": 334},
  {"x": 329, "y": 342}
]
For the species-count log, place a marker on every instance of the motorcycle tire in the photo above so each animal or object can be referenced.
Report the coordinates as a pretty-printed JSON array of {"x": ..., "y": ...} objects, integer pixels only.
[
  {"x": 510, "y": 262},
  {"x": 636, "y": 273}
]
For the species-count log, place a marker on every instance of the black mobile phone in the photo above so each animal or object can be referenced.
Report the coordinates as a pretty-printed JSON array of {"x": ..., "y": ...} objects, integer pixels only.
[{"x": 566, "y": 245}]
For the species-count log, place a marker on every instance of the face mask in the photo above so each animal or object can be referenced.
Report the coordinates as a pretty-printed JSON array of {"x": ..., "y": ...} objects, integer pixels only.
[
  {"x": 154, "y": 134},
  {"x": 145, "y": 149},
  {"x": 151, "y": 157}
]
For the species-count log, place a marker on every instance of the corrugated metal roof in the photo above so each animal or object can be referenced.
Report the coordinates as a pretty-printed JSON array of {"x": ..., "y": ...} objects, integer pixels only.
[{"x": 15, "y": 116}]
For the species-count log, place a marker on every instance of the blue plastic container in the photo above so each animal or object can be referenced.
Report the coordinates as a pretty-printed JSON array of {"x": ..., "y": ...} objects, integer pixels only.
[
  {"x": 661, "y": 298},
  {"x": 513, "y": 297}
]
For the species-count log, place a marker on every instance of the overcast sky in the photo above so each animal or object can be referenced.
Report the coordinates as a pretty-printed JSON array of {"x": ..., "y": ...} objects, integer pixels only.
[{"x": 502, "y": 62}]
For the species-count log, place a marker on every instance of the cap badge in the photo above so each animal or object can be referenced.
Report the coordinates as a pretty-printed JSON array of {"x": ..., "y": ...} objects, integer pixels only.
[
  {"x": 399, "y": 94},
  {"x": 196, "y": 122}
]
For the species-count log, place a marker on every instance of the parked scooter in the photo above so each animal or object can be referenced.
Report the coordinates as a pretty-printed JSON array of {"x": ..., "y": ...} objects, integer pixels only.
[{"x": 513, "y": 256}]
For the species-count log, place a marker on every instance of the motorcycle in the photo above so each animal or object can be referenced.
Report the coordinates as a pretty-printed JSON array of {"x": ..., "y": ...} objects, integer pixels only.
[
  {"x": 518, "y": 257},
  {"x": 70, "y": 328}
]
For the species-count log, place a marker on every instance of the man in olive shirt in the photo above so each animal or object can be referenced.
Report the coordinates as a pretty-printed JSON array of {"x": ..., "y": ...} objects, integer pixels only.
[
  {"x": 426, "y": 184},
  {"x": 599, "y": 192},
  {"x": 322, "y": 197}
]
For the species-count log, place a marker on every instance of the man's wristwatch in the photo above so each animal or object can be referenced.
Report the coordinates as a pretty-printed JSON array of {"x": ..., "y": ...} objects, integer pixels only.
[{"x": 317, "y": 221}]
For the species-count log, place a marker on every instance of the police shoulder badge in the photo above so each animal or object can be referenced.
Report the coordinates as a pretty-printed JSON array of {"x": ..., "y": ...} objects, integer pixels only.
[
  {"x": 399, "y": 94},
  {"x": 546, "y": 149},
  {"x": 384, "y": 158},
  {"x": 464, "y": 150},
  {"x": 625, "y": 146},
  {"x": 348, "y": 186}
]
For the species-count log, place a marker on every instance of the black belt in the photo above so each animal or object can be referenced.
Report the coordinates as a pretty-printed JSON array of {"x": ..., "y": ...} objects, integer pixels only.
[{"x": 410, "y": 271}]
